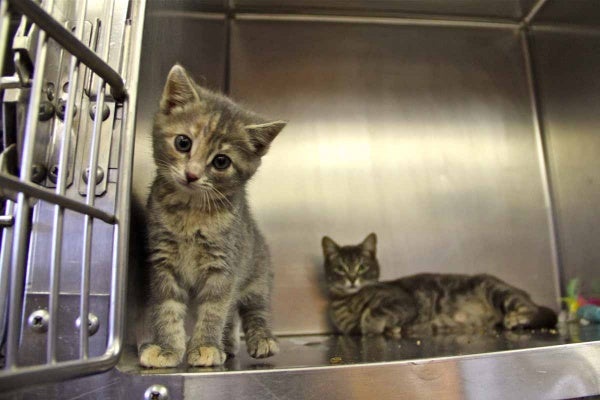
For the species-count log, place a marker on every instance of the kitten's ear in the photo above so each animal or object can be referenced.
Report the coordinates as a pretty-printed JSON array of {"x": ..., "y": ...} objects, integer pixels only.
[
  {"x": 330, "y": 248},
  {"x": 262, "y": 135},
  {"x": 369, "y": 245},
  {"x": 179, "y": 90}
]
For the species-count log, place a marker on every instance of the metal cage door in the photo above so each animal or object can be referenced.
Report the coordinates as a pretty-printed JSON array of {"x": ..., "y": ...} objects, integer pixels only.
[{"x": 69, "y": 81}]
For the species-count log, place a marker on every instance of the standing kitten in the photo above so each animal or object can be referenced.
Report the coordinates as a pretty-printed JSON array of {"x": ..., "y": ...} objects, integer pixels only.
[
  {"x": 206, "y": 253},
  {"x": 419, "y": 304}
]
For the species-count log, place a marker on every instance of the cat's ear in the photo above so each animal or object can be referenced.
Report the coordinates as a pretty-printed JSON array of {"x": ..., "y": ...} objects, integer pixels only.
[
  {"x": 369, "y": 245},
  {"x": 179, "y": 90},
  {"x": 262, "y": 135},
  {"x": 330, "y": 248}
]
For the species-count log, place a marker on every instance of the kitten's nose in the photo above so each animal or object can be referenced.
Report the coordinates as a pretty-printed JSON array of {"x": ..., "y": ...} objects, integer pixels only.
[{"x": 191, "y": 177}]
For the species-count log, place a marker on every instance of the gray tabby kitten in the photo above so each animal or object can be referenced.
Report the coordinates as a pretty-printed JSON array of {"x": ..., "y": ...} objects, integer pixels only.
[
  {"x": 422, "y": 303},
  {"x": 206, "y": 253}
]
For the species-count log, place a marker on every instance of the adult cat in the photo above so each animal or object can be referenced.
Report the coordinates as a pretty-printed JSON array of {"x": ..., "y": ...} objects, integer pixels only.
[{"x": 422, "y": 303}]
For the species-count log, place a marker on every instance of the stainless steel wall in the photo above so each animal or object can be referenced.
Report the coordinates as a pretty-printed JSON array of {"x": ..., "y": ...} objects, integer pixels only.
[
  {"x": 569, "y": 88},
  {"x": 423, "y": 134},
  {"x": 193, "y": 38},
  {"x": 506, "y": 9}
]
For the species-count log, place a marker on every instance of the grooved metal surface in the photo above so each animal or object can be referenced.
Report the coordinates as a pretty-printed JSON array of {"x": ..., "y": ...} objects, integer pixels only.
[
  {"x": 423, "y": 135},
  {"x": 506, "y": 9},
  {"x": 570, "y": 12},
  {"x": 569, "y": 88}
]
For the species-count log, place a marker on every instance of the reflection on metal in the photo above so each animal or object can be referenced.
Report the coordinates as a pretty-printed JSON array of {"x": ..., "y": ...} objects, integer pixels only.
[
  {"x": 542, "y": 156},
  {"x": 421, "y": 134},
  {"x": 93, "y": 324},
  {"x": 38, "y": 321},
  {"x": 11, "y": 183},
  {"x": 412, "y": 119},
  {"x": 156, "y": 392},
  {"x": 570, "y": 95},
  {"x": 74, "y": 46},
  {"x": 513, "y": 10},
  {"x": 48, "y": 225}
]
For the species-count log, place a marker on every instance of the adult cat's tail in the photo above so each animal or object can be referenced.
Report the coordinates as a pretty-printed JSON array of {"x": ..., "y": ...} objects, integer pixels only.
[{"x": 545, "y": 318}]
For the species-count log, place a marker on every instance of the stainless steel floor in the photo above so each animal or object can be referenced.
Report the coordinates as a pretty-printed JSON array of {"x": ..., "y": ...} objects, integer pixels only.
[{"x": 333, "y": 350}]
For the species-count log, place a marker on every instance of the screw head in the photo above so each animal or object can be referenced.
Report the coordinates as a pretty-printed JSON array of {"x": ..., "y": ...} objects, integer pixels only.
[
  {"x": 46, "y": 111},
  {"x": 53, "y": 174},
  {"x": 156, "y": 392},
  {"x": 38, "y": 321},
  {"x": 105, "y": 111},
  {"x": 99, "y": 175},
  {"x": 38, "y": 173},
  {"x": 93, "y": 323},
  {"x": 61, "y": 109},
  {"x": 49, "y": 90}
]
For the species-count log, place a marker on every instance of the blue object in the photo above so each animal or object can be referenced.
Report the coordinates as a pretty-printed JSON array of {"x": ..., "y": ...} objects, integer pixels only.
[{"x": 589, "y": 312}]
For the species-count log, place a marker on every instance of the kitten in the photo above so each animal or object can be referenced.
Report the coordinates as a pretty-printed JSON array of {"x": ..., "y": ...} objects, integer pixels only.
[
  {"x": 206, "y": 253},
  {"x": 419, "y": 304}
]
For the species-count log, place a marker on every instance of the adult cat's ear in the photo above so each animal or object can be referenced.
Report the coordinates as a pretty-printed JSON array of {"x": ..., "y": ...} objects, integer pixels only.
[
  {"x": 330, "y": 248},
  {"x": 369, "y": 245},
  {"x": 262, "y": 135},
  {"x": 179, "y": 90}
]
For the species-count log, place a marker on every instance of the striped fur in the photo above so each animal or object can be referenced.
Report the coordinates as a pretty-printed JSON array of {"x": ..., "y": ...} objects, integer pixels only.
[
  {"x": 420, "y": 304},
  {"x": 206, "y": 254}
]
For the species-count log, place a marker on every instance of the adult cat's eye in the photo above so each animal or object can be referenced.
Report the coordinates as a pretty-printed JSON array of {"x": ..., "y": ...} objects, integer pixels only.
[
  {"x": 221, "y": 161},
  {"x": 183, "y": 143}
]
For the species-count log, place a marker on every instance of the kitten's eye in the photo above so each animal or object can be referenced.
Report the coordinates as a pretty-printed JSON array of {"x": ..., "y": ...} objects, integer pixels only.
[
  {"x": 221, "y": 161},
  {"x": 183, "y": 143},
  {"x": 362, "y": 269}
]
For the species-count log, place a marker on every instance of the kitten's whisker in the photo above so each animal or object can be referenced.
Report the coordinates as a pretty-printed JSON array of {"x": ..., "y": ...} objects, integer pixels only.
[{"x": 221, "y": 196}]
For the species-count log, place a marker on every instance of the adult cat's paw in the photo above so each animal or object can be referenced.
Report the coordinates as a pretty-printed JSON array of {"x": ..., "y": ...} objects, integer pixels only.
[
  {"x": 520, "y": 318},
  {"x": 154, "y": 356},
  {"x": 263, "y": 347},
  {"x": 206, "y": 356}
]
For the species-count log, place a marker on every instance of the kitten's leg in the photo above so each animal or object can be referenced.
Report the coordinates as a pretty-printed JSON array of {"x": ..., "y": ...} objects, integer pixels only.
[
  {"x": 519, "y": 311},
  {"x": 231, "y": 334},
  {"x": 256, "y": 323},
  {"x": 168, "y": 316},
  {"x": 206, "y": 346}
]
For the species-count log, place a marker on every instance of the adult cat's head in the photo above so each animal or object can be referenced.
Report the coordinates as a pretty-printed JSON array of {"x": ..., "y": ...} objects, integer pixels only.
[
  {"x": 349, "y": 268},
  {"x": 203, "y": 143}
]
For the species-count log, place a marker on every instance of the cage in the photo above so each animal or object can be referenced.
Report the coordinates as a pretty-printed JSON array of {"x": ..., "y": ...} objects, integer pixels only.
[{"x": 462, "y": 132}]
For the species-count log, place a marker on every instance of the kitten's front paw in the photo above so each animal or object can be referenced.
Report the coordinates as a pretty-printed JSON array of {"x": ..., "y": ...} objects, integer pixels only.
[
  {"x": 263, "y": 348},
  {"x": 520, "y": 318},
  {"x": 154, "y": 356},
  {"x": 206, "y": 357}
]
